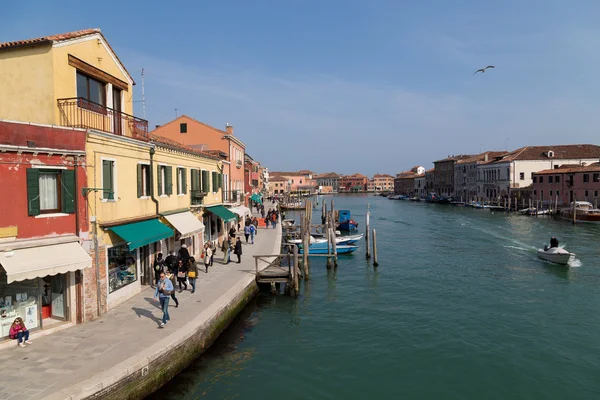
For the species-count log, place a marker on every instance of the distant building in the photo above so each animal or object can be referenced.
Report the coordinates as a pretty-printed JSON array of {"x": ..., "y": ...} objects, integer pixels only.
[
  {"x": 444, "y": 174},
  {"x": 567, "y": 183},
  {"x": 404, "y": 183},
  {"x": 420, "y": 186},
  {"x": 383, "y": 183},
  {"x": 297, "y": 182},
  {"x": 465, "y": 174},
  {"x": 329, "y": 179},
  {"x": 353, "y": 183},
  {"x": 429, "y": 180}
]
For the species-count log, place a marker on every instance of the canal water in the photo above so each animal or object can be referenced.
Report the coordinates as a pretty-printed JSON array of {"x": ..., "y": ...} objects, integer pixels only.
[{"x": 460, "y": 307}]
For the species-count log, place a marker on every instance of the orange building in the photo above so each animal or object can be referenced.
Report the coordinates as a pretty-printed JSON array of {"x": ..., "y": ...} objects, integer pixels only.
[
  {"x": 353, "y": 183},
  {"x": 204, "y": 137}
]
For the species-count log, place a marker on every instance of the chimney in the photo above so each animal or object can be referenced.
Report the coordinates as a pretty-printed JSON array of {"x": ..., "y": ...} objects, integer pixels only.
[
  {"x": 485, "y": 157},
  {"x": 229, "y": 128},
  {"x": 156, "y": 126}
]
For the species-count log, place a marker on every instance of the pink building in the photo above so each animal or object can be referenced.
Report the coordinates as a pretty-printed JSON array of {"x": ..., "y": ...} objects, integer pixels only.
[
  {"x": 567, "y": 183},
  {"x": 301, "y": 181}
]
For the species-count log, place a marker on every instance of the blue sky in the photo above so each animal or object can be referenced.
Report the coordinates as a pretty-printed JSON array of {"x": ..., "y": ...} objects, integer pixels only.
[{"x": 353, "y": 86}]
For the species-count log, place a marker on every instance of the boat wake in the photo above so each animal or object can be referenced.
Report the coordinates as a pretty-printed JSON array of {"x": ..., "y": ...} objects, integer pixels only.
[{"x": 527, "y": 249}]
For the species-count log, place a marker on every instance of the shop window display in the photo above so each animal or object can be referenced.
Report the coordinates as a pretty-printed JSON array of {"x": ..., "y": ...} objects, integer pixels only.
[
  {"x": 18, "y": 299},
  {"x": 122, "y": 267}
]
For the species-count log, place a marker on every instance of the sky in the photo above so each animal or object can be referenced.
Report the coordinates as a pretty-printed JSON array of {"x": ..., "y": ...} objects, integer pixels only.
[{"x": 352, "y": 86}]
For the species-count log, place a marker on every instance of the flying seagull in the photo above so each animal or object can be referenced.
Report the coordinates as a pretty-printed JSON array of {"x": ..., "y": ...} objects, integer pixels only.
[{"x": 482, "y": 70}]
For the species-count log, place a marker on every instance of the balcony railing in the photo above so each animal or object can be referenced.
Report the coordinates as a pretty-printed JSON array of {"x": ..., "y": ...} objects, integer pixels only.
[
  {"x": 197, "y": 197},
  {"x": 232, "y": 196},
  {"x": 77, "y": 112}
]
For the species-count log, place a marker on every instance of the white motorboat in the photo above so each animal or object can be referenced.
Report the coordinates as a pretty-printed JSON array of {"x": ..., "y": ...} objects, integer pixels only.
[
  {"x": 340, "y": 240},
  {"x": 556, "y": 255}
]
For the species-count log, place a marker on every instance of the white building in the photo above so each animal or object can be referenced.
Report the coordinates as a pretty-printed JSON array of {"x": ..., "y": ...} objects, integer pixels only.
[
  {"x": 465, "y": 174},
  {"x": 420, "y": 187},
  {"x": 514, "y": 170}
]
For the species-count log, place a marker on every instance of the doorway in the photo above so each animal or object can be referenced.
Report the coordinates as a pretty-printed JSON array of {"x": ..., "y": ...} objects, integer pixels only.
[{"x": 117, "y": 109}]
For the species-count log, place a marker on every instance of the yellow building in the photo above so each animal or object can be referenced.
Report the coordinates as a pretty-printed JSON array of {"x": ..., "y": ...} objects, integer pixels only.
[{"x": 144, "y": 194}]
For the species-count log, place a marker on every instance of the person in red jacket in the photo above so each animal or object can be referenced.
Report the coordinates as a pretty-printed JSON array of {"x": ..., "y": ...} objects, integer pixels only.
[{"x": 19, "y": 331}]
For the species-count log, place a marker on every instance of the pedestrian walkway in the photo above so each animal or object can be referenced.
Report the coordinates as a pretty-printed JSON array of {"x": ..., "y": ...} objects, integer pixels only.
[{"x": 79, "y": 354}]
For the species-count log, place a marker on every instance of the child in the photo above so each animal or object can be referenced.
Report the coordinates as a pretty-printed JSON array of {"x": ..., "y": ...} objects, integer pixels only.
[{"x": 19, "y": 331}]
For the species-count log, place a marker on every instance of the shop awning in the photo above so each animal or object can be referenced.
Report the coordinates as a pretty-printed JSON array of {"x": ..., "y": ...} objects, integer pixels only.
[
  {"x": 242, "y": 211},
  {"x": 138, "y": 234},
  {"x": 222, "y": 213},
  {"x": 37, "y": 262},
  {"x": 256, "y": 198},
  {"x": 185, "y": 223}
]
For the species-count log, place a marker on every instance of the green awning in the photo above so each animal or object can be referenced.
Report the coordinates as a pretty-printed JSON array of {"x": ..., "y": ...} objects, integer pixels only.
[
  {"x": 138, "y": 234},
  {"x": 256, "y": 198},
  {"x": 222, "y": 213}
]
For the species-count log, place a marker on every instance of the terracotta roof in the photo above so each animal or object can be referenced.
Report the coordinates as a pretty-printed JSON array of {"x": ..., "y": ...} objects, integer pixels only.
[
  {"x": 361, "y": 176},
  {"x": 326, "y": 175},
  {"x": 561, "y": 152},
  {"x": 570, "y": 169},
  {"x": 60, "y": 37},
  {"x": 454, "y": 158},
  {"x": 406, "y": 175},
  {"x": 178, "y": 146},
  {"x": 287, "y": 173},
  {"x": 382, "y": 176},
  {"x": 481, "y": 157},
  {"x": 420, "y": 176},
  {"x": 277, "y": 179},
  {"x": 306, "y": 172},
  {"x": 158, "y": 128},
  {"x": 430, "y": 170}
]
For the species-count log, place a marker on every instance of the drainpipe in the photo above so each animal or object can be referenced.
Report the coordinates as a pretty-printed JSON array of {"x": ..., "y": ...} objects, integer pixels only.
[
  {"x": 96, "y": 247},
  {"x": 154, "y": 199},
  {"x": 78, "y": 274}
]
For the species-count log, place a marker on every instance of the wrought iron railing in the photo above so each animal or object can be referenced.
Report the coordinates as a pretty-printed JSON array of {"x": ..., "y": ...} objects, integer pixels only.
[
  {"x": 197, "y": 197},
  {"x": 77, "y": 112},
  {"x": 232, "y": 196}
]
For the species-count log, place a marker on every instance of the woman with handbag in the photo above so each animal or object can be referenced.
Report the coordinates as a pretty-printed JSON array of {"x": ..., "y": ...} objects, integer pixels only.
[
  {"x": 182, "y": 276},
  {"x": 208, "y": 253},
  {"x": 192, "y": 273}
]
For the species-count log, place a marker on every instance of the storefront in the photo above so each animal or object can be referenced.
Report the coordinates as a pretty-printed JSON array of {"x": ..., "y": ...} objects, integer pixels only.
[
  {"x": 213, "y": 218},
  {"x": 242, "y": 211},
  {"x": 37, "y": 281},
  {"x": 189, "y": 231},
  {"x": 129, "y": 263}
]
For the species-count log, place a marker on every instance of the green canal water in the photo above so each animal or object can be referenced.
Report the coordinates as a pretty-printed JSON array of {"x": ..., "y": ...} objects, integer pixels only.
[{"x": 459, "y": 308}]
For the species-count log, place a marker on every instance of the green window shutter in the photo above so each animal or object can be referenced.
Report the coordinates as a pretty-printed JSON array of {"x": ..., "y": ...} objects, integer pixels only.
[
  {"x": 193, "y": 180},
  {"x": 107, "y": 180},
  {"x": 159, "y": 180},
  {"x": 214, "y": 181},
  {"x": 220, "y": 181},
  {"x": 184, "y": 180},
  {"x": 169, "y": 180},
  {"x": 140, "y": 181},
  {"x": 68, "y": 191},
  {"x": 33, "y": 191},
  {"x": 205, "y": 183}
]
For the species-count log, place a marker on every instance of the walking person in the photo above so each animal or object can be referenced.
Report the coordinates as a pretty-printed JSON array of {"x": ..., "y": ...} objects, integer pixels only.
[
  {"x": 183, "y": 254},
  {"x": 274, "y": 219},
  {"x": 164, "y": 288},
  {"x": 171, "y": 262},
  {"x": 192, "y": 273},
  {"x": 225, "y": 249},
  {"x": 20, "y": 332},
  {"x": 232, "y": 233},
  {"x": 182, "y": 275},
  {"x": 247, "y": 232},
  {"x": 213, "y": 248},
  {"x": 262, "y": 212},
  {"x": 159, "y": 266},
  {"x": 238, "y": 250},
  {"x": 255, "y": 223},
  {"x": 208, "y": 255},
  {"x": 252, "y": 232},
  {"x": 171, "y": 276}
]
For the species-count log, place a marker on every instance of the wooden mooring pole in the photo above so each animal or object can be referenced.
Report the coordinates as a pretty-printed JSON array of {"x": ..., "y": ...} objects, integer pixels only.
[
  {"x": 334, "y": 245},
  {"x": 295, "y": 283},
  {"x": 375, "y": 263},
  {"x": 367, "y": 230}
]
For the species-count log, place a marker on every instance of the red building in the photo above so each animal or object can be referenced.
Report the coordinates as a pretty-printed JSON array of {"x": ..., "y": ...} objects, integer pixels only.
[
  {"x": 353, "y": 183},
  {"x": 45, "y": 273},
  {"x": 567, "y": 183}
]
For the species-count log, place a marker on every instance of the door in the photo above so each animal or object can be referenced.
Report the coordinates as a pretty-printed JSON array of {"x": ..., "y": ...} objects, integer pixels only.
[
  {"x": 58, "y": 284},
  {"x": 145, "y": 265},
  {"x": 117, "y": 112}
]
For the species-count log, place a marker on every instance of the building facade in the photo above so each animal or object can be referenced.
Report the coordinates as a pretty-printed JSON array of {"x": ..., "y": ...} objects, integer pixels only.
[
  {"x": 301, "y": 182},
  {"x": 203, "y": 137},
  {"x": 383, "y": 183},
  {"x": 354, "y": 183},
  {"x": 46, "y": 276},
  {"x": 329, "y": 180},
  {"x": 465, "y": 174},
  {"x": 444, "y": 174},
  {"x": 420, "y": 189},
  {"x": 429, "y": 180},
  {"x": 404, "y": 183},
  {"x": 566, "y": 184}
]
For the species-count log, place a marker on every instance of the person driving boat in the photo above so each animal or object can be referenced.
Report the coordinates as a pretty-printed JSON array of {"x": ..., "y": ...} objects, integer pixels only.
[{"x": 553, "y": 242}]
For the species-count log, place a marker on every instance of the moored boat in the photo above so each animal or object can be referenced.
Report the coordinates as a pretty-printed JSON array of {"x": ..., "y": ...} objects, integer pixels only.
[
  {"x": 321, "y": 248},
  {"x": 339, "y": 240},
  {"x": 345, "y": 221},
  {"x": 584, "y": 212}
]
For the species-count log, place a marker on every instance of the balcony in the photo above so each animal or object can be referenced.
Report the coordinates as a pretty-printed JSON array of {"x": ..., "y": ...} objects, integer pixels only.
[
  {"x": 232, "y": 196},
  {"x": 77, "y": 112},
  {"x": 197, "y": 197}
]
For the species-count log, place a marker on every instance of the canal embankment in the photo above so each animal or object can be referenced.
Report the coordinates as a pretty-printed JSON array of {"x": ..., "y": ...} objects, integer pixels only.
[{"x": 124, "y": 354}]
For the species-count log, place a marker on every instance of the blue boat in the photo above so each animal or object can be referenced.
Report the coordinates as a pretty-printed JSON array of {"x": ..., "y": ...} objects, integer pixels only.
[
  {"x": 345, "y": 221},
  {"x": 321, "y": 248}
]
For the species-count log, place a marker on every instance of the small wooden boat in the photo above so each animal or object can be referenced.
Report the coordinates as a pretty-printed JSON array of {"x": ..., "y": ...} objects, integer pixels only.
[
  {"x": 339, "y": 240},
  {"x": 584, "y": 212},
  {"x": 319, "y": 248},
  {"x": 345, "y": 221}
]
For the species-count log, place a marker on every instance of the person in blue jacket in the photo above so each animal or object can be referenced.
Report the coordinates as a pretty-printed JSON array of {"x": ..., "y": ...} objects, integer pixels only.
[{"x": 164, "y": 288}]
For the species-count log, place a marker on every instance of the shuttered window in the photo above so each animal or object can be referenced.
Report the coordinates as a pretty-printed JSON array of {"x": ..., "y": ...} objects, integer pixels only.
[
  {"x": 215, "y": 183},
  {"x": 50, "y": 191},
  {"x": 205, "y": 181},
  {"x": 143, "y": 180},
  {"x": 195, "y": 180},
  {"x": 68, "y": 191},
  {"x": 181, "y": 181},
  {"x": 168, "y": 180},
  {"x": 108, "y": 179}
]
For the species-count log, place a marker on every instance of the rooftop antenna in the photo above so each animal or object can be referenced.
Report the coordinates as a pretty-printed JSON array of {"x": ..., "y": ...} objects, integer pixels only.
[
  {"x": 176, "y": 115},
  {"x": 143, "y": 96}
]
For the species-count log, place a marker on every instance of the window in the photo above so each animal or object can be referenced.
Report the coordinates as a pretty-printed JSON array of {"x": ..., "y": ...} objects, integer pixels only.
[
  {"x": 108, "y": 180},
  {"x": 557, "y": 179},
  {"x": 143, "y": 180},
  {"x": 595, "y": 193},
  {"x": 183, "y": 127},
  {"x": 534, "y": 192},
  {"x": 521, "y": 176},
  {"x": 596, "y": 178},
  {"x": 535, "y": 179},
  {"x": 165, "y": 180},
  {"x": 586, "y": 178},
  {"x": 541, "y": 179},
  {"x": 205, "y": 182},
  {"x": 586, "y": 193},
  {"x": 557, "y": 193},
  {"x": 50, "y": 191},
  {"x": 550, "y": 179},
  {"x": 215, "y": 182},
  {"x": 181, "y": 181},
  {"x": 122, "y": 267},
  {"x": 91, "y": 89},
  {"x": 541, "y": 194},
  {"x": 551, "y": 193}
]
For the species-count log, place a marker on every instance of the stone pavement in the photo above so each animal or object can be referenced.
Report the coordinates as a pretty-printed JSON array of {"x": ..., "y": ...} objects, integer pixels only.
[{"x": 60, "y": 360}]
